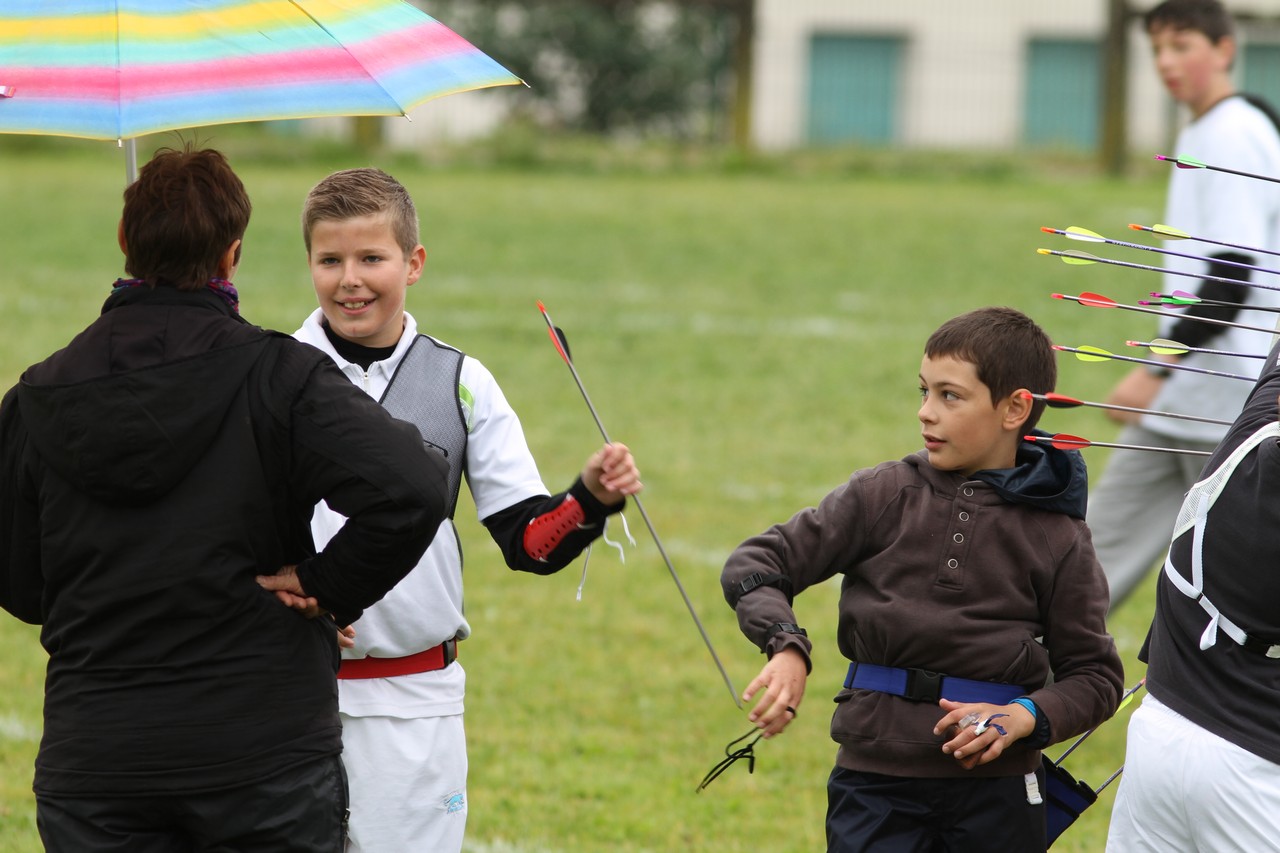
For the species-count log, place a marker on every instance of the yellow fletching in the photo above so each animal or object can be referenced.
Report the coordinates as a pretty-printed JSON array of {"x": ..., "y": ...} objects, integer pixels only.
[
  {"x": 1170, "y": 232},
  {"x": 1164, "y": 346},
  {"x": 1088, "y": 353},
  {"x": 1075, "y": 232}
]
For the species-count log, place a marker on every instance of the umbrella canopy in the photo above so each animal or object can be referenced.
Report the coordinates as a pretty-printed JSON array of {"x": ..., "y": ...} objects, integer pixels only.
[{"x": 118, "y": 69}]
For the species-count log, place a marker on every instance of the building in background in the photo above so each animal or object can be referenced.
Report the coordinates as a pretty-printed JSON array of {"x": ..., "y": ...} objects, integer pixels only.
[
  {"x": 985, "y": 74},
  {"x": 930, "y": 74}
]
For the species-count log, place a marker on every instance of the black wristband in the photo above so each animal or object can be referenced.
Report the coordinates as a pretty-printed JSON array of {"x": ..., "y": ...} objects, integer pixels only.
[{"x": 784, "y": 628}]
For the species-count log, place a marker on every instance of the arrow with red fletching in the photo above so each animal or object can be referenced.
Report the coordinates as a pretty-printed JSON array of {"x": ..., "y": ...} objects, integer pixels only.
[
  {"x": 1064, "y": 441},
  {"x": 1062, "y": 401},
  {"x": 1097, "y": 300},
  {"x": 562, "y": 347}
]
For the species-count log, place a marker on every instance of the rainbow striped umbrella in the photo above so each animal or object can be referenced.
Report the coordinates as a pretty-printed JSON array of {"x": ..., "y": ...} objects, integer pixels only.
[{"x": 118, "y": 69}]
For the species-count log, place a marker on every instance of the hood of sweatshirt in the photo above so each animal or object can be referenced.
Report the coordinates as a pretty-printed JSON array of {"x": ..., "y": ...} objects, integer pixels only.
[
  {"x": 126, "y": 409},
  {"x": 1043, "y": 477}
]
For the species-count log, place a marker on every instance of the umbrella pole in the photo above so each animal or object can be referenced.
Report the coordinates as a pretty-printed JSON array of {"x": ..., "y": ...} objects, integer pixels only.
[{"x": 130, "y": 161}]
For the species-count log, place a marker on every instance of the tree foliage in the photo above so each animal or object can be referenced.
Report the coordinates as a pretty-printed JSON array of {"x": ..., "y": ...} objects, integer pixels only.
[{"x": 607, "y": 65}]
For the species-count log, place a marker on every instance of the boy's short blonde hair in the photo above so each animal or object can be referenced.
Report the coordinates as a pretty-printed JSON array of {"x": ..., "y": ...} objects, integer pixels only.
[
  {"x": 1007, "y": 348},
  {"x": 353, "y": 193}
]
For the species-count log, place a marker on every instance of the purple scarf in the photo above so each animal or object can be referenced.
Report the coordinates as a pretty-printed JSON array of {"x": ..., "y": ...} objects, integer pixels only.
[{"x": 225, "y": 289}]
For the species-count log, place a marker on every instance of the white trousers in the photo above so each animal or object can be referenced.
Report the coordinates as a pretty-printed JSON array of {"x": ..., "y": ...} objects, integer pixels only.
[
  {"x": 1186, "y": 790},
  {"x": 408, "y": 783}
]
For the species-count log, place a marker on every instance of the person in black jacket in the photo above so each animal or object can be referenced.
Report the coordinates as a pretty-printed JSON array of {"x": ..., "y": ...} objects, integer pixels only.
[{"x": 157, "y": 477}]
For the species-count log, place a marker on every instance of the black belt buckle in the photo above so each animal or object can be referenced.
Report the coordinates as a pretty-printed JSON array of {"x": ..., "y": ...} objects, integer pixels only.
[
  {"x": 450, "y": 651},
  {"x": 923, "y": 685}
]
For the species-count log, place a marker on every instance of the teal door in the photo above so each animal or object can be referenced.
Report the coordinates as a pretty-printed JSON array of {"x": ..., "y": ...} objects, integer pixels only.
[
  {"x": 1261, "y": 67},
  {"x": 853, "y": 88},
  {"x": 1063, "y": 93}
]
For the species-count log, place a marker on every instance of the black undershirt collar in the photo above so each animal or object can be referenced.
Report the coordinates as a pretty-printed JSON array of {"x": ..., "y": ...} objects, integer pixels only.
[{"x": 357, "y": 353}]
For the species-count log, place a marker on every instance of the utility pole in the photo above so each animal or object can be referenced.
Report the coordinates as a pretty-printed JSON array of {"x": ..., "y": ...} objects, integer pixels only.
[
  {"x": 1114, "y": 142},
  {"x": 743, "y": 72}
]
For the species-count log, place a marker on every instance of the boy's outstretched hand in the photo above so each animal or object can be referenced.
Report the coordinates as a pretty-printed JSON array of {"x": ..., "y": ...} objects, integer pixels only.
[
  {"x": 980, "y": 732},
  {"x": 783, "y": 678},
  {"x": 611, "y": 474}
]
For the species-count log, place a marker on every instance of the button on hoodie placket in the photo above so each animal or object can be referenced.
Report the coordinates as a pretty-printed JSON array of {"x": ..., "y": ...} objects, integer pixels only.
[{"x": 958, "y": 536}]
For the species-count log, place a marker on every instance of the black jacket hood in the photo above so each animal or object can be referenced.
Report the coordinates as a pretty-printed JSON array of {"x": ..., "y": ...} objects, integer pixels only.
[
  {"x": 1043, "y": 477},
  {"x": 124, "y": 435}
]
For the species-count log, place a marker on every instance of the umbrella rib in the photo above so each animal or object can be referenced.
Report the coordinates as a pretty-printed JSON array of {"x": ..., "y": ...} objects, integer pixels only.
[{"x": 298, "y": 5}]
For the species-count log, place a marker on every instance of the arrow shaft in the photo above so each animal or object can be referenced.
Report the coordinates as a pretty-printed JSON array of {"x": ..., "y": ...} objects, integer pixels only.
[
  {"x": 1170, "y": 252},
  {"x": 737, "y": 700},
  {"x": 1043, "y": 439},
  {"x": 1191, "y": 163},
  {"x": 1151, "y": 361},
  {"x": 1243, "y": 174},
  {"x": 1254, "y": 249},
  {"x": 1093, "y": 303},
  {"x": 1203, "y": 277},
  {"x": 1182, "y": 302},
  {"x": 1184, "y": 348},
  {"x": 1123, "y": 701},
  {"x": 1115, "y": 408}
]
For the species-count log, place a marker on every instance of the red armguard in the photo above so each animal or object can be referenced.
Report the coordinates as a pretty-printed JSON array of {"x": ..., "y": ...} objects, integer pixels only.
[{"x": 545, "y": 533}]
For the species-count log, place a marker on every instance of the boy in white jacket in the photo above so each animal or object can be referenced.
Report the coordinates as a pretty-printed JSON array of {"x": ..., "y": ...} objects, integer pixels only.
[{"x": 400, "y": 687}]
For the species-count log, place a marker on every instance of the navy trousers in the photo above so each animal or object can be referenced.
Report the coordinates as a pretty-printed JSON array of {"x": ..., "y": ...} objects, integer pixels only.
[
  {"x": 301, "y": 810},
  {"x": 898, "y": 814}
]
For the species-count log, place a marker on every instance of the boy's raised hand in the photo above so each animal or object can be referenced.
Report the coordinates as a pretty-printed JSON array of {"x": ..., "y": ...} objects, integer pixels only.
[
  {"x": 611, "y": 474},
  {"x": 977, "y": 738},
  {"x": 783, "y": 678}
]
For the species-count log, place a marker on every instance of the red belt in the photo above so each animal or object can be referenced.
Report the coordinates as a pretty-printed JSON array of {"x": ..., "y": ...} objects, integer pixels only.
[{"x": 428, "y": 661}]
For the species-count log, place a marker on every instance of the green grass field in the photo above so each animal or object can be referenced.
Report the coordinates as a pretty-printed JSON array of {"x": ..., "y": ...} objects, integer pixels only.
[{"x": 751, "y": 330}]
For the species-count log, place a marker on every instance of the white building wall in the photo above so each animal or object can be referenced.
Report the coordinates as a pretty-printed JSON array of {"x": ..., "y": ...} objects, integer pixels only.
[{"x": 964, "y": 65}]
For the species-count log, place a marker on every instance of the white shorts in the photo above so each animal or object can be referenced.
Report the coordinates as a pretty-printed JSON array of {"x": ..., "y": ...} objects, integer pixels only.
[
  {"x": 1186, "y": 789},
  {"x": 408, "y": 783}
]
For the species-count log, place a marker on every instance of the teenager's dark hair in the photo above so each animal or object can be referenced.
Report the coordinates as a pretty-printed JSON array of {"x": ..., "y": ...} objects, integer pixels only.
[
  {"x": 180, "y": 217},
  {"x": 1008, "y": 349},
  {"x": 1207, "y": 16}
]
